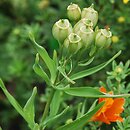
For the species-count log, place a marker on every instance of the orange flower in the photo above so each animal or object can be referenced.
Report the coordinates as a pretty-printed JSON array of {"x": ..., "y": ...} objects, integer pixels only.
[{"x": 111, "y": 110}]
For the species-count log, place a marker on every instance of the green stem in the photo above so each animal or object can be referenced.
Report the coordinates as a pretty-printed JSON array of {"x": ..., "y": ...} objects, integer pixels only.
[
  {"x": 118, "y": 87},
  {"x": 46, "y": 110}
]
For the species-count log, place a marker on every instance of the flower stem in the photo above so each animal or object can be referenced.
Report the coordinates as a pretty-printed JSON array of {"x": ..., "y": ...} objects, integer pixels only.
[
  {"x": 118, "y": 87},
  {"x": 46, "y": 110}
]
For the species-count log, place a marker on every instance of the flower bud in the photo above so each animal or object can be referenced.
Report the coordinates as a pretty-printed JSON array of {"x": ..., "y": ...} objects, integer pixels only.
[
  {"x": 61, "y": 30},
  {"x": 83, "y": 22},
  {"x": 73, "y": 43},
  {"x": 103, "y": 38},
  {"x": 74, "y": 12},
  {"x": 87, "y": 36},
  {"x": 91, "y": 14},
  {"x": 118, "y": 69}
]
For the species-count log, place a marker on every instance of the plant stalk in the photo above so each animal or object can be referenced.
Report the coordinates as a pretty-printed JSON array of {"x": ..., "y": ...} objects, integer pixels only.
[{"x": 46, "y": 110}]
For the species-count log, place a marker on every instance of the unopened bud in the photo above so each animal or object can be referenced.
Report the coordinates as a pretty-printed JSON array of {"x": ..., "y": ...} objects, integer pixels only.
[
  {"x": 61, "y": 30},
  {"x": 91, "y": 14},
  {"x": 103, "y": 38},
  {"x": 69, "y": 121},
  {"x": 74, "y": 12},
  {"x": 87, "y": 36},
  {"x": 73, "y": 43},
  {"x": 83, "y": 22},
  {"x": 118, "y": 69}
]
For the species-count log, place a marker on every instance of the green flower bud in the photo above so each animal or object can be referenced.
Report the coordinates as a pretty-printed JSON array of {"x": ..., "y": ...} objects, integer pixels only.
[
  {"x": 87, "y": 36},
  {"x": 61, "y": 30},
  {"x": 83, "y": 22},
  {"x": 72, "y": 43},
  {"x": 103, "y": 38},
  {"x": 91, "y": 14},
  {"x": 74, "y": 12}
]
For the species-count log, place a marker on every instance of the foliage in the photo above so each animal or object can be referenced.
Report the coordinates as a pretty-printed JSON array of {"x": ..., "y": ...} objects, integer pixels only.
[{"x": 17, "y": 18}]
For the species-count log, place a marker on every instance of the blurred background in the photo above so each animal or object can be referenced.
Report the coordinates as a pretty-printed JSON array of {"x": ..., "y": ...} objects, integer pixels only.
[{"x": 18, "y": 17}]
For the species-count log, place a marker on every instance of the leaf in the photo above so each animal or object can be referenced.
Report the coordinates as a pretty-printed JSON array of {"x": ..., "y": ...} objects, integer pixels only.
[
  {"x": 93, "y": 105},
  {"x": 62, "y": 87},
  {"x": 78, "y": 123},
  {"x": 79, "y": 113},
  {"x": 90, "y": 92},
  {"x": 93, "y": 50},
  {"x": 55, "y": 118},
  {"x": 55, "y": 104},
  {"x": 87, "y": 62},
  {"x": 55, "y": 58},
  {"x": 12, "y": 100},
  {"x": 29, "y": 109},
  {"x": 39, "y": 71},
  {"x": 46, "y": 58},
  {"x": 61, "y": 70},
  {"x": 81, "y": 109},
  {"x": 93, "y": 70},
  {"x": 36, "y": 127}
]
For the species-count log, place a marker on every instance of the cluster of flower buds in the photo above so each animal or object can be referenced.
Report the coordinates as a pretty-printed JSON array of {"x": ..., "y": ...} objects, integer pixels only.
[{"x": 81, "y": 34}]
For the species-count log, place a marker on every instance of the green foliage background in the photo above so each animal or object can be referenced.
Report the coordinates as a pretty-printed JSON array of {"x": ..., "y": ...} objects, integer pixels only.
[{"x": 18, "y": 17}]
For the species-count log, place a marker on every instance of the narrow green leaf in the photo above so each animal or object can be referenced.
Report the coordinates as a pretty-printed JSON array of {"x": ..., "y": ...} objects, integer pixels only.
[
  {"x": 90, "y": 92},
  {"x": 55, "y": 118},
  {"x": 93, "y": 70},
  {"x": 113, "y": 128},
  {"x": 78, "y": 123},
  {"x": 36, "y": 127},
  {"x": 55, "y": 104},
  {"x": 87, "y": 62},
  {"x": 79, "y": 113},
  {"x": 61, "y": 70},
  {"x": 120, "y": 125},
  {"x": 46, "y": 58},
  {"x": 93, "y": 105},
  {"x": 55, "y": 58},
  {"x": 29, "y": 109},
  {"x": 39, "y": 71},
  {"x": 62, "y": 87},
  {"x": 12, "y": 100}
]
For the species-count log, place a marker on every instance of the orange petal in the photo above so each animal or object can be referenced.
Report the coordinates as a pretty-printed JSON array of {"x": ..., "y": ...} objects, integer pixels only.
[
  {"x": 102, "y": 89},
  {"x": 115, "y": 118},
  {"x": 107, "y": 105},
  {"x": 117, "y": 106},
  {"x": 102, "y": 118}
]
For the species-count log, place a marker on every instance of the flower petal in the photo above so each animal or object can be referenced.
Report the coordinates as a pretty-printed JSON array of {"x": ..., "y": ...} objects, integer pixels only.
[
  {"x": 117, "y": 106},
  {"x": 102, "y": 89},
  {"x": 102, "y": 118}
]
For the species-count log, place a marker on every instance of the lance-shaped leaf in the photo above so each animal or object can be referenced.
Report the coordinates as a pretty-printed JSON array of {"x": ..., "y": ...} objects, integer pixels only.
[
  {"x": 36, "y": 127},
  {"x": 46, "y": 58},
  {"x": 80, "y": 122},
  {"x": 93, "y": 70},
  {"x": 55, "y": 58},
  {"x": 39, "y": 71},
  {"x": 54, "y": 119},
  {"x": 55, "y": 103},
  {"x": 29, "y": 109},
  {"x": 86, "y": 62},
  {"x": 62, "y": 71},
  {"x": 12, "y": 100},
  {"x": 79, "y": 113},
  {"x": 90, "y": 92}
]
